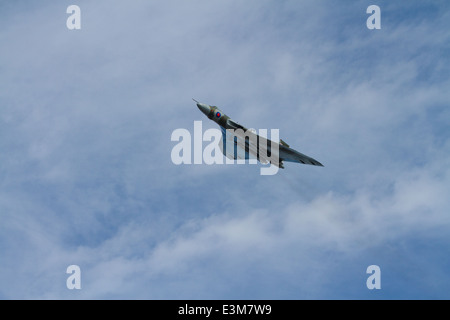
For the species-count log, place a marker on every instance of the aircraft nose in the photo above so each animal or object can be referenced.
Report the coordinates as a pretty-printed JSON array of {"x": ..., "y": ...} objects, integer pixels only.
[{"x": 204, "y": 108}]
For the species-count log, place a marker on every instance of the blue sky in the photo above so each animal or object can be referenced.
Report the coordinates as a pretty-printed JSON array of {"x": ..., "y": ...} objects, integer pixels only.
[{"x": 86, "y": 176}]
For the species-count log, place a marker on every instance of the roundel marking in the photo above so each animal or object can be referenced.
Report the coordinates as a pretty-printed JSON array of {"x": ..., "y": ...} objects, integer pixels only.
[{"x": 218, "y": 114}]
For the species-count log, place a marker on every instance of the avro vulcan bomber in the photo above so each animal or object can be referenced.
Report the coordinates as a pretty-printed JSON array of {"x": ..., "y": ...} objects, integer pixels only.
[{"x": 239, "y": 142}]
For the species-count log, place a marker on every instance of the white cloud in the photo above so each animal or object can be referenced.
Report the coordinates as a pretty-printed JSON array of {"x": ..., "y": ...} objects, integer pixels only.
[{"x": 230, "y": 248}]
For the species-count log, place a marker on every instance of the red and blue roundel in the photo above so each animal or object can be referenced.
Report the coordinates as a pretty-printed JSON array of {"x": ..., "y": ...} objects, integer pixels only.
[{"x": 218, "y": 114}]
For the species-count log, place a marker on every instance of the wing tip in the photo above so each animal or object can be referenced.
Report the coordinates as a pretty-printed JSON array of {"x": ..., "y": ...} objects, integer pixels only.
[{"x": 313, "y": 162}]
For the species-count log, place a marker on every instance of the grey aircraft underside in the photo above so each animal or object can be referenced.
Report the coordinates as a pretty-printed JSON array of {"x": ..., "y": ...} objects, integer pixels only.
[{"x": 246, "y": 144}]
